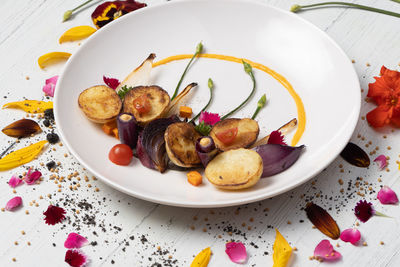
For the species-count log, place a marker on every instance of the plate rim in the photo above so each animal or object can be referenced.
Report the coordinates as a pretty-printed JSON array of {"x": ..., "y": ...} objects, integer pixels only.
[{"x": 214, "y": 204}]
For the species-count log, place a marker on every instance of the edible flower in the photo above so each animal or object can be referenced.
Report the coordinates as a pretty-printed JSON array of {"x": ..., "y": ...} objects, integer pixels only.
[
  {"x": 322, "y": 220},
  {"x": 54, "y": 215},
  {"x": 31, "y": 177},
  {"x": 387, "y": 196},
  {"x": 75, "y": 258},
  {"x": 202, "y": 259},
  {"x": 282, "y": 251},
  {"x": 75, "y": 240},
  {"x": 76, "y": 33},
  {"x": 50, "y": 85},
  {"x": 68, "y": 14},
  {"x": 13, "y": 203},
  {"x": 385, "y": 91},
  {"x": 236, "y": 252},
  {"x": 276, "y": 137},
  {"x": 351, "y": 235},
  {"x": 382, "y": 161},
  {"x": 209, "y": 118},
  {"x": 111, "y": 82},
  {"x": 364, "y": 210},
  {"x": 30, "y": 106},
  {"x": 109, "y": 11},
  {"x": 324, "y": 252},
  {"x": 15, "y": 181},
  {"x": 52, "y": 58}
]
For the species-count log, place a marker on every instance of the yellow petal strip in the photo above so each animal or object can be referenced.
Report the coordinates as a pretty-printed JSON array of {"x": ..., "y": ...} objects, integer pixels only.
[
  {"x": 30, "y": 106},
  {"x": 76, "y": 33},
  {"x": 51, "y": 58},
  {"x": 21, "y": 156},
  {"x": 282, "y": 251},
  {"x": 202, "y": 259}
]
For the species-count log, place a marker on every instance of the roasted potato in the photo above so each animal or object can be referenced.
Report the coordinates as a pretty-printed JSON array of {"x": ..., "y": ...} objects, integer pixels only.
[
  {"x": 180, "y": 139},
  {"x": 247, "y": 134},
  {"x": 100, "y": 103},
  {"x": 235, "y": 169},
  {"x": 157, "y": 97}
]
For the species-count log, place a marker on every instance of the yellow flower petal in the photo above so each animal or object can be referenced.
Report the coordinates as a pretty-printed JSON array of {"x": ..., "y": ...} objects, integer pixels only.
[
  {"x": 51, "y": 58},
  {"x": 282, "y": 251},
  {"x": 30, "y": 106},
  {"x": 21, "y": 156},
  {"x": 202, "y": 259},
  {"x": 76, "y": 33}
]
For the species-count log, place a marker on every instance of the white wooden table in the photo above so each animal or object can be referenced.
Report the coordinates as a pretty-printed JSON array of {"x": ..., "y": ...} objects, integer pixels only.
[{"x": 132, "y": 232}]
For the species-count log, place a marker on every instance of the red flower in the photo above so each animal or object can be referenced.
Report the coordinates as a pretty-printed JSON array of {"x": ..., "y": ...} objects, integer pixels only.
[
  {"x": 364, "y": 210},
  {"x": 111, "y": 82},
  {"x": 75, "y": 258},
  {"x": 54, "y": 215},
  {"x": 385, "y": 91},
  {"x": 276, "y": 137}
]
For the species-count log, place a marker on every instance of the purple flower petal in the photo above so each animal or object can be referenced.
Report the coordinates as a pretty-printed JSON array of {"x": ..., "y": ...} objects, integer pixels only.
[
  {"x": 350, "y": 235},
  {"x": 50, "y": 85},
  {"x": 364, "y": 210},
  {"x": 324, "y": 251},
  {"x": 15, "y": 181},
  {"x": 111, "y": 82},
  {"x": 32, "y": 177},
  {"x": 236, "y": 252},
  {"x": 387, "y": 196},
  {"x": 13, "y": 203},
  {"x": 75, "y": 240},
  {"x": 382, "y": 161}
]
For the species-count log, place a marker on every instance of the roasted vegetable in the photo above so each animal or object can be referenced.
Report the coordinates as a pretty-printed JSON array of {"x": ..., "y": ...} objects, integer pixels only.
[
  {"x": 173, "y": 106},
  {"x": 21, "y": 128},
  {"x": 142, "y": 154},
  {"x": 180, "y": 139},
  {"x": 235, "y": 169},
  {"x": 247, "y": 133},
  {"x": 127, "y": 129},
  {"x": 156, "y": 98},
  {"x": 194, "y": 178},
  {"x": 206, "y": 149},
  {"x": 153, "y": 141},
  {"x": 277, "y": 158},
  {"x": 100, "y": 103}
]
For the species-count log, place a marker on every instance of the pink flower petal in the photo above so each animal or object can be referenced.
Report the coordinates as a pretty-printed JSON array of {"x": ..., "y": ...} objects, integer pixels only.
[
  {"x": 324, "y": 251},
  {"x": 209, "y": 118},
  {"x": 350, "y": 235},
  {"x": 111, "y": 82},
  {"x": 13, "y": 203},
  {"x": 75, "y": 240},
  {"x": 15, "y": 181},
  {"x": 276, "y": 137},
  {"x": 75, "y": 258},
  {"x": 236, "y": 252},
  {"x": 382, "y": 161},
  {"x": 387, "y": 196},
  {"x": 31, "y": 177},
  {"x": 48, "y": 89}
]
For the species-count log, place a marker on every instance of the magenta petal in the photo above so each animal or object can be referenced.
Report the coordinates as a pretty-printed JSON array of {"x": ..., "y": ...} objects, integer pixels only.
[
  {"x": 52, "y": 80},
  {"x": 75, "y": 240},
  {"x": 111, "y": 82},
  {"x": 382, "y": 161},
  {"x": 15, "y": 181},
  {"x": 13, "y": 203},
  {"x": 32, "y": 177},
  {"x": 48, "y": 89},
  {"x": 387, "y": 196},
  {"x": 276, "y": 137},
  {"x": 209, "y": 118},
  {"x": 324, "y": 250},
  {"x": 350, "y": 235},
  {"x": 236, "y": 252},
  {"x": 75, "y": 258}
]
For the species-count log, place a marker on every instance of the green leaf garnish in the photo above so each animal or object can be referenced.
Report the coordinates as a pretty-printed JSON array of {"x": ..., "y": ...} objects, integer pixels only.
[
  {"x": 203, "y": 128},
  {"x": 124, "y": 89},
  {"x": 260, "y": 105}
]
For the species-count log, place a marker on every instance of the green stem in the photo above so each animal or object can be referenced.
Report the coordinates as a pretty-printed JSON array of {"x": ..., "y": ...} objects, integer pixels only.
[
  {"x": 397, "y": 1},
  {"x": 81, "y": 5},
  {"x": 296, "y": 8},
  {"x": 249, "y": 71},
  {"x": 211, "y": 87},
  {"x": 260, "y": 105}
]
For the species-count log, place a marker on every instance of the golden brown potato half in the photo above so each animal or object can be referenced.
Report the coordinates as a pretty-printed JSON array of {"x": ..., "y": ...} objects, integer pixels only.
[
  {"x": 180, "y": 139},
  {"x": 100, "y": 103},
  {"x": 235, "y": 169},
  {"x": 247, "y": 133},
  {"x": 158, "y": 98}
]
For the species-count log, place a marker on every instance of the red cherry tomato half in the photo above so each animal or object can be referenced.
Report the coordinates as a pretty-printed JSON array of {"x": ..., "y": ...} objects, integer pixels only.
[
  {"x": 121, "y": 154},
  {"x": 227, "y": 136},
  {"x": 142, "y": 104}
]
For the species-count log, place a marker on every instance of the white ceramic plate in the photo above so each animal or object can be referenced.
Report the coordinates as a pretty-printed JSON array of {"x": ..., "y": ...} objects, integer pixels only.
[{"x": 317, "y": 68}]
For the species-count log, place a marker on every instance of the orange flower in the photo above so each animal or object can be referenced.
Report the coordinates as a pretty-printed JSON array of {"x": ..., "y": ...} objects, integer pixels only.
[{"x": 385, "y": 91}]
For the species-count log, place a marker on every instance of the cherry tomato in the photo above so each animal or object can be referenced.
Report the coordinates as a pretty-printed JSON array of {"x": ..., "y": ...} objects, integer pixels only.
[
  {"x": 142, "y": 104},
  {"x": 120, "y": 154},
  {"x": 227, "y": 136}
]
